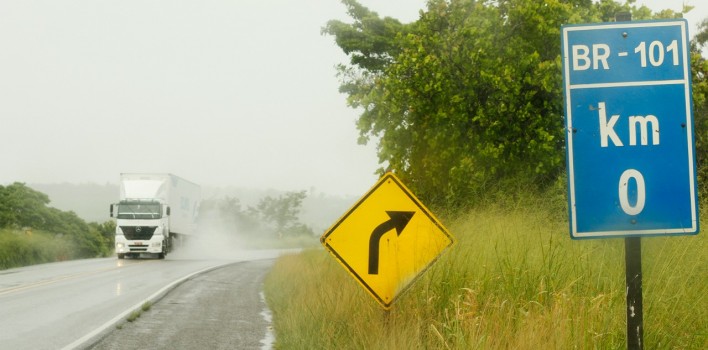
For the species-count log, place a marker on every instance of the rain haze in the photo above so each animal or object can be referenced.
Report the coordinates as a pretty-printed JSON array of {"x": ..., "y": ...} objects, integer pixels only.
[{"x": 223, "y": 93}]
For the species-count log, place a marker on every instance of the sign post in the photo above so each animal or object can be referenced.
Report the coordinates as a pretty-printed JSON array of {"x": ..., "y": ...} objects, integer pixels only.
[
  {"x": 629, "y": 139},
  {"x": 633, "y": 283}
]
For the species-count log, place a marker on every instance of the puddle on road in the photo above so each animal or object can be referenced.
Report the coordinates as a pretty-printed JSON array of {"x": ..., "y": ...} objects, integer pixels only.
[{"x": 269, "y": 339}]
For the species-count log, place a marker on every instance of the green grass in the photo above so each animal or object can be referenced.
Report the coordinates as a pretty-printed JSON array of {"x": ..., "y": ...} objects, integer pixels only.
[
  {"x": 28, "y": 247},
  {"x": 137, "y": 313},
  {"x": 514, "y": 280},
  {"x": 133, "y": 316},
  {"x": 146, "y": 306}
]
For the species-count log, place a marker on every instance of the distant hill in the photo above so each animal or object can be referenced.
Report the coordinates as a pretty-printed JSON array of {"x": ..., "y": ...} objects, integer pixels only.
[{"x": 91, "y": 201}]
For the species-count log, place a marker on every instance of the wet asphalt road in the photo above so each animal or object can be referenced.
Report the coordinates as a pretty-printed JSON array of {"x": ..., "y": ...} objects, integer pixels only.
[{"x": 220, "y": 309}]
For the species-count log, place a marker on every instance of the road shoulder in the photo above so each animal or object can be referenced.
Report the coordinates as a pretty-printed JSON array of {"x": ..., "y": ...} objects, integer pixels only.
[{"x": 219, "y": 309}]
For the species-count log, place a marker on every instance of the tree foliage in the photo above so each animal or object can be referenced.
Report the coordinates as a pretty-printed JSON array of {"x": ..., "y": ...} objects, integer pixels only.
[
  {"x": 229, "y": 212},
  {"x": 282, "y": 213},
  {"x": 278, "y": 216},
  {"x": 469, "y": 96},
  {"x": 701, "y": 38},
  {"x": 699, "y": 70},
  {"x": 369, "y": 41},
  {"x": 22, "y": 208}
]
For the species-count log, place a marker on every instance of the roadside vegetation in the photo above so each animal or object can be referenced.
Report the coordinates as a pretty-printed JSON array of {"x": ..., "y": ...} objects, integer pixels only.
[
  {"x": 513, "y": 280},
  {"x": 466, "y": 105},
  {"x": 32, "y": 232},
  {"x": 139, "y": 312},
  {"x": 470, "y": 96},
  {"x": 272, "y": 224}
]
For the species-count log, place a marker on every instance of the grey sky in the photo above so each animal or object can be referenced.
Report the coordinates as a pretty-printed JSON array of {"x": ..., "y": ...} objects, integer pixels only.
[{"x": 223, "y": 93}]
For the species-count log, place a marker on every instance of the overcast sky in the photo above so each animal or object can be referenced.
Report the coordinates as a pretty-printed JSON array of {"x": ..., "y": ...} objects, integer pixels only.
[{"x": 224, "y": 93}]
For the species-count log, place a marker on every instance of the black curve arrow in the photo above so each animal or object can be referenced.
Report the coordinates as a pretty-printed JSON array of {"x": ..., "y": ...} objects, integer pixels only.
[{"x": 399, "y": 220}]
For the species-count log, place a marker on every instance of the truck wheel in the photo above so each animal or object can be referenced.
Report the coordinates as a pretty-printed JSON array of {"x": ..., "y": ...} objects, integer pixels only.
[
  {"x": 121, "y": 256},
  {"x": 172, "y": 242},
  {"x": 162, "y": 254}
]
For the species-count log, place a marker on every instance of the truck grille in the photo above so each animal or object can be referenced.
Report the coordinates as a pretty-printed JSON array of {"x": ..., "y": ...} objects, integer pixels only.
[
  {"x": 138, "y": 232},
  {"x": 138, "y": 248}
]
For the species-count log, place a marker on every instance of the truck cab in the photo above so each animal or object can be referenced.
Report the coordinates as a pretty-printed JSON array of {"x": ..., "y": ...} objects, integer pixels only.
[{"x": 142, "y": 227}]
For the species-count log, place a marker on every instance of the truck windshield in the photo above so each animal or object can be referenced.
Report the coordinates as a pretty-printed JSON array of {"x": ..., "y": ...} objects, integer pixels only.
[{"x": 139, "y": 210}]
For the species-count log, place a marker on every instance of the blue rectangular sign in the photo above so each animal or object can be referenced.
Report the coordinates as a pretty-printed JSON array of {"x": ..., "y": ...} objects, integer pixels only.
[{"x": 629, "y": 129}]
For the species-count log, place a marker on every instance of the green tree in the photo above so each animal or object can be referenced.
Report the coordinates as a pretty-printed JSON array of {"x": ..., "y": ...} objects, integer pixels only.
[
  {"x": 701, "y": 37},
  {"x": 282, "y": 213},
  {"x": 370, "y": 41},
  {"x": 468, "y": 97},
  {"x": 456, "y": 110},
  {"x": 21, "y": 206},
  {"x": 88, "y": 241},
  {"x": 229, "y": 214},
  {"x": 699, "y": 70},
  {"x": 106, "y": 230}
]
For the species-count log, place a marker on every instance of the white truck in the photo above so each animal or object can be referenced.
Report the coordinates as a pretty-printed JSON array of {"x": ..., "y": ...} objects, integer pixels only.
[{"x": 155, "y": 213}]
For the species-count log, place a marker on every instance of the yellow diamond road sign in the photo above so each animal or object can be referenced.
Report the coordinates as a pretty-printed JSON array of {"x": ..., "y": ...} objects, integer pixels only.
[{"x": 387, "y": 239}]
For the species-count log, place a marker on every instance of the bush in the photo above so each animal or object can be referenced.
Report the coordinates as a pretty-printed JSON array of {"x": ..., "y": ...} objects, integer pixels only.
[
  {"x": 36, "y": 233},
  {"x": 513, "y": 280},
  {"x": 21, "y": 248}
]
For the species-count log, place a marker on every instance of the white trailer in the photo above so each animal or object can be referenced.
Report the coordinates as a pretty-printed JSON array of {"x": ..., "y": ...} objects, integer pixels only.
[{"x": 155, "y": 212}]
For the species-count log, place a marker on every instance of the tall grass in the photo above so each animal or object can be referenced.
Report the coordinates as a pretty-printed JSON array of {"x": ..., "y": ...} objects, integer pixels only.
[
  {"x": 514, "y": 280},
  {"x": 21, "y": 248}
]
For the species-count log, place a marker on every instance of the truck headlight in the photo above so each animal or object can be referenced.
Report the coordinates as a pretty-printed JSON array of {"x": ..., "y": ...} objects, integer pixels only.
[
  {"x": 157, "y": 244},
  {"x": 120, "y": 245}
]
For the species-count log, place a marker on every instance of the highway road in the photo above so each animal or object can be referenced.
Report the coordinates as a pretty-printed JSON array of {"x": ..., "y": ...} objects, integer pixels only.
[
  {"x": 65, "y": 305},
  {"x": 222, "y": 309}
]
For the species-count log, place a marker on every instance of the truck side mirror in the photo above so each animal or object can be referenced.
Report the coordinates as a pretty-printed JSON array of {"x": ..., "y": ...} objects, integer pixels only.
[
  {"x": 111, "y": 210},
  {"x": 168, "y": 211}
]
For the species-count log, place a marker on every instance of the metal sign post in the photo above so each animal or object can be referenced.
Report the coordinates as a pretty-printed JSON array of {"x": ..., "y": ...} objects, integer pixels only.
[{"x": 633, "y": 280}]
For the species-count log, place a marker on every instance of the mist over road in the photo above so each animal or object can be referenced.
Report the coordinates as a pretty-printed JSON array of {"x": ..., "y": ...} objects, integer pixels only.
[{"x": 62, "y": 305}]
